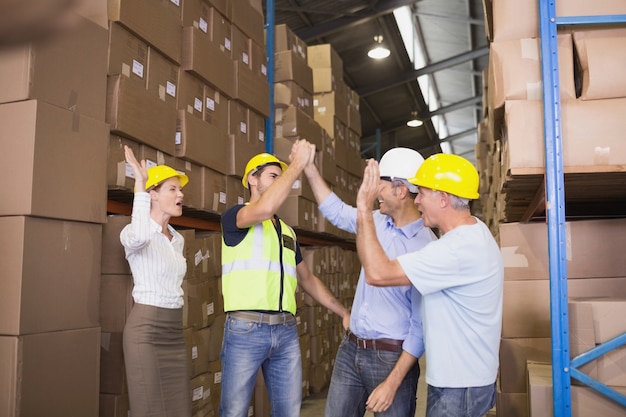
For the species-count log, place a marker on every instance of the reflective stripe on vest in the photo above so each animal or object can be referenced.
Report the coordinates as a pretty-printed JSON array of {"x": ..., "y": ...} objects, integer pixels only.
[{"x": 252, "y": 271}]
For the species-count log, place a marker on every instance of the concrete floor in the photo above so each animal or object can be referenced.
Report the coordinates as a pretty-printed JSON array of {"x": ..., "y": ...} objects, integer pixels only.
[{"x": 313, "y": 405}]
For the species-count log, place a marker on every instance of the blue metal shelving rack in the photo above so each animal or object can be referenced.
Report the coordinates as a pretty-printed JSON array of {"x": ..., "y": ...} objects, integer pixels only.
[
  {"x": 562, "y": 368},
  {"x": 269, "y": 49}
]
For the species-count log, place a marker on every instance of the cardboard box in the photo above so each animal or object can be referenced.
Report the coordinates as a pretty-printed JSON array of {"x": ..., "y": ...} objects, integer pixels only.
[
  {"x": 241, "y": 46},
  {"x": 46, "y": 262},
  {"x": 134, "y": 113},
  {"x": 190, "y": 96},
  {"x": 235, "y": 193},
  {"x": 514, "y": 353},
  {"x": 112, "y": 368},
  {"x": 585, "y": 401},
  {"x": 201, "y": 142},
  {"x": 526, "y": 304},
  {"x": 69, "y": 72},
  {"x": 128, "y": 54},
  {"x": 297, "y": 212},
  {"x": 601, "y": 55},
  {"x": 113, "y": 256},
  {"x": 512, "y": 404},
  {"x": 251, "y": 89},
  {"x": 286, "y": 40},
  {"x": 520, "y": 19},
  {"x": 50, "y": 374},
  {"x": 204, "y": 58},
  {"x": 196, "y": 13},
  {"x": 248, "y": 18},
  {"x": 515, "y": 70},
  {"x": 213, "y": 191},
  {"x": 221, "y": 32},
  {"x": 200, "y": 393},
  {"x": 325, "y": 56},
  {"x": 258, "y": 57},
  {"x": 197, "y": 342},
  {"x": 238, "y": 121},
  {"x": 216, "y": 337},
  {"x": 289, "y": 67},
  {"x": 157, "y": 22},
  {"x": 293, "y": 123},
  {"x": 290, "y": 93},
  {"x": 592, "y": 249},
  {"x": 216, "y": 107},
  {"x": 331, "y": 104},
  {"x": 594, "y": 321},
  {"x": 162, "y": 77},
  {"x": 256, "y": 133},
  {"x": 120, "y": 175},
  {"x": 116, "y": 301},
  {"x": 57, "y": 160}
]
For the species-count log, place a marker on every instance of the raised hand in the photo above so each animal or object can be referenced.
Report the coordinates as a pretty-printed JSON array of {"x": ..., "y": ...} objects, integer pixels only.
[
  {"x": 140, "y": 171},
  {"x": 368, "y": 192},
  {"x": 302, "y": 153}
]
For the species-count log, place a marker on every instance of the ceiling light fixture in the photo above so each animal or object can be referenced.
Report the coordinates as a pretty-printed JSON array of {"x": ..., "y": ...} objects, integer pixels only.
[
  {"x": 414, "y": 122},
  {"x": 378, "y": 51}
]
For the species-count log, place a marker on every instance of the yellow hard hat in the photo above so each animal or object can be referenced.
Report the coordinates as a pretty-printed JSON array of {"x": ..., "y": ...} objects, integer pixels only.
[
  {"x": 449, "y": 173},
  {"x": 259, "y": 161},
  {"x": 159, "y": 173}
]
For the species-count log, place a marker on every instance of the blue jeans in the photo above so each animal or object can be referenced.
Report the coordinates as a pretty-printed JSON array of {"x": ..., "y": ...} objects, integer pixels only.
[
  {"x": 460, "y": 402},
  {"x": 275, "y": 349},
  {"x": 357, "y": 371}
]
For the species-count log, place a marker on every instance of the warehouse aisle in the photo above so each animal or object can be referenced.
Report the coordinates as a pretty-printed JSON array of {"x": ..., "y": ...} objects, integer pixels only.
[{"x": 313, "y": 406}]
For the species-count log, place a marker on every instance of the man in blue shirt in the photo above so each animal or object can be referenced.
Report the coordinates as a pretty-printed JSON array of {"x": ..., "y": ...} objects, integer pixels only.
[{"x": 376, "y": 368}]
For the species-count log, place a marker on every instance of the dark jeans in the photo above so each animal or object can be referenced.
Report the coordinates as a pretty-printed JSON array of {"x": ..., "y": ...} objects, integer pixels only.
[
  {"x": 460, "y": 402},
  {"x": 357, "y": 371}
]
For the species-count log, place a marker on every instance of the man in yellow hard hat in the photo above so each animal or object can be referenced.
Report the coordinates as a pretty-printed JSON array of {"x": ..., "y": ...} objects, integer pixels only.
[
  {"x": 376, "y": 367},
  {"x": 261, "y": 267},
  {"x": 460, "y": 277}
]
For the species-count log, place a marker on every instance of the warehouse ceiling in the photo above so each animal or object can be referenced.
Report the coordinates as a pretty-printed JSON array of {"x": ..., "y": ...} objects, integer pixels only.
[{"x": 452, "y": 35}]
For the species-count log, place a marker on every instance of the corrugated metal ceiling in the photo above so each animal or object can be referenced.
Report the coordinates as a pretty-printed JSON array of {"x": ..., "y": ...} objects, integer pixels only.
[{"x": 453, "y": 37}]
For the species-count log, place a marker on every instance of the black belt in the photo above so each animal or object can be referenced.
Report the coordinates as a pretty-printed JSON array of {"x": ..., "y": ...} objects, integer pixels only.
[
  {"x": 265, "y": 318},
  {"x": 380, "y": 344}
]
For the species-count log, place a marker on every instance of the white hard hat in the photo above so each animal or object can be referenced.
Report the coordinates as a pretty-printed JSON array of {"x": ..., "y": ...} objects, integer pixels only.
[{"x": 400, "y": 163}]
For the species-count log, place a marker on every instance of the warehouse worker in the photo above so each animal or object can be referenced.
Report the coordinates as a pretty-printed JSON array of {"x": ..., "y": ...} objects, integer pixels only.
[
  {"x": 460, "y": 277},
  {"x": 376, "y": 365},
  {"x": 261, "y": 267},
  {"x": 155, "y": 355}
]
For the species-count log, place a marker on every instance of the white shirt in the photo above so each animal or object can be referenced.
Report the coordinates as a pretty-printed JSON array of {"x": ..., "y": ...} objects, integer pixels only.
[
  {"x": 157, "y": 264},
  {"x": 461, "y": 278}
]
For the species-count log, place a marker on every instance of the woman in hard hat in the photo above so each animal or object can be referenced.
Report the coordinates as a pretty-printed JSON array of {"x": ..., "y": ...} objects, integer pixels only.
[{"x": 154, "y": 348}]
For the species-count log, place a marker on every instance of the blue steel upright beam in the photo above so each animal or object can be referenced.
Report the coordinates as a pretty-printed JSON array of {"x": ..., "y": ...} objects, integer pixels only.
[
  {"x": 269, "y": 50},
  {"x": 555, "y": 209}
]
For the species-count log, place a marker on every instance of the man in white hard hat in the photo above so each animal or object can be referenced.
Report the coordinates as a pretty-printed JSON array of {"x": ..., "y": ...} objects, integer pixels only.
[{"x": 376, "y": 368}]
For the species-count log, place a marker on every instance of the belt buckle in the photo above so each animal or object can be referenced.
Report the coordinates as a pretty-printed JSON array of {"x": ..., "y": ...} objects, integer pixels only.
[{"x": 362, "y": 343}]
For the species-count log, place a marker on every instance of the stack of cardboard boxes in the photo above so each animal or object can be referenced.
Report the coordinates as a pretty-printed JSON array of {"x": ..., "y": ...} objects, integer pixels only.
[
  {"x": 511, "y": 141},
  {"x": 55, "y": 138},
  {"x": 510, "y": 157},
  {"x": 595, "y": 268},
  {"x": 182, "y": 84}
]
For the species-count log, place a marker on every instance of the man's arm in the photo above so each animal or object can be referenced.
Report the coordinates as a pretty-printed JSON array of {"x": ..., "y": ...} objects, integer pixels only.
[
  {"x": 302, "y": 153},
  {"x": 381, "y": 398},
  {"x": 379, "y": 270},
  {"x": 321, "y": 190},
  {"x": 320, "y": 293}
]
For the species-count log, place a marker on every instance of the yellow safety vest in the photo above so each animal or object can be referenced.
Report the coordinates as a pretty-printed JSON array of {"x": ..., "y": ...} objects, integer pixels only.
[{"x": 260, "y": 272}]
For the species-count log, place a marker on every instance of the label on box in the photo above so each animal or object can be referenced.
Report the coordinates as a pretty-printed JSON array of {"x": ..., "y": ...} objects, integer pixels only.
[{"x": 137, "y": 68}]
